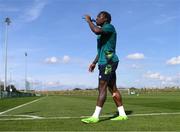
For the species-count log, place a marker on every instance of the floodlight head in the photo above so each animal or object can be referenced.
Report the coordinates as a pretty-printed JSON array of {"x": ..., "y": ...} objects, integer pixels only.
[{"x": 7, "y": 20}]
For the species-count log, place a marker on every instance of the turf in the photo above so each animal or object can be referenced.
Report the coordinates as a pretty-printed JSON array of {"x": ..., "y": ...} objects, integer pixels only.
[
  {"x": 52, "y": 107},
  {"x": 13, "y": 102}
]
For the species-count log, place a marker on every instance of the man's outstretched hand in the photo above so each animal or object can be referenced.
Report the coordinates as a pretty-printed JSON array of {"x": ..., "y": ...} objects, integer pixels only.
[
  {"x": 91, "y": 67},
  {"x": 87, "y": 18}
]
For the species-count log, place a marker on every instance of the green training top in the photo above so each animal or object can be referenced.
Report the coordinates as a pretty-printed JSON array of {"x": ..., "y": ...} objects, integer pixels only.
[{"x": 106, "y": 45}]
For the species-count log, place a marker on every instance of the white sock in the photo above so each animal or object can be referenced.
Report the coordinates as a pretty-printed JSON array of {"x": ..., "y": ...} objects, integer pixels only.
[
  {"x": 97, "y": 112},
  {"x": 121, "y": 111}
]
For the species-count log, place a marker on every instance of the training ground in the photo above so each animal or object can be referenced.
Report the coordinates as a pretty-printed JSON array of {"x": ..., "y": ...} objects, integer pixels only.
[{"x": 159, "y": 111}]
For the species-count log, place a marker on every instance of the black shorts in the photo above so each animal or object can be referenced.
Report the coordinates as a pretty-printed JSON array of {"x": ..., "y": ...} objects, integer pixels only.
[{"x": 107, "y": 72}]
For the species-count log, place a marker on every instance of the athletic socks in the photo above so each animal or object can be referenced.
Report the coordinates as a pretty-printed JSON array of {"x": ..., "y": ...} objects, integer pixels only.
[
  {"x": 97, "y": 112},
  {"x": 121, "y": 111}
]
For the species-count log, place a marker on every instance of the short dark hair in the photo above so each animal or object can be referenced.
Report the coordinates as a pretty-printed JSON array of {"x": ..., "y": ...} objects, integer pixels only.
[{"x": 107, "y": 15}]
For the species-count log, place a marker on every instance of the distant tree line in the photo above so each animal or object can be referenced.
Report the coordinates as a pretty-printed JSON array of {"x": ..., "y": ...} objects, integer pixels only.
[{"x": 132, "y": 88}]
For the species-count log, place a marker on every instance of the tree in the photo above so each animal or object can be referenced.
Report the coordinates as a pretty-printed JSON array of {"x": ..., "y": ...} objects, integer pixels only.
[
  {"x": 11, "y": 88},
  {"x": 1, "y": 87}
]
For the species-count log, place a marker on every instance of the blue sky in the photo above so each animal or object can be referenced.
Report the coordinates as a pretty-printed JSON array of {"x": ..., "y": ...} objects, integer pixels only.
[{"x": 60, "y": 45}]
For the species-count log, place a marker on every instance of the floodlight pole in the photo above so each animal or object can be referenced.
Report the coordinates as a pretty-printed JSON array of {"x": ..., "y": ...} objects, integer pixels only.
[
  {"x": 7, "y": 21},
  {"x": 26, "y": 88}
]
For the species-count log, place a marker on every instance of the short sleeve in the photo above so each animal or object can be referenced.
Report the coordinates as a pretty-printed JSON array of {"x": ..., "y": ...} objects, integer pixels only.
[{"x": 108, "y": 28}]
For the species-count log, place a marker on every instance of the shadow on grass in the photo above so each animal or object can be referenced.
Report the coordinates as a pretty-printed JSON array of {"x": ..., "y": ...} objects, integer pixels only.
[
  {"x": 115, "y": 114},
  {"x": 30, "y": 112}
]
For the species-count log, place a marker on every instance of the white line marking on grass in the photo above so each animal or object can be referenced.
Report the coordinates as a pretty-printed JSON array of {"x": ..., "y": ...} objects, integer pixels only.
[
  {"x": 154, "y": 114},
  {"x": 19, "y": 106},
  {"x": 31, "y": 117},
  {"x": 25, "y": 116}
]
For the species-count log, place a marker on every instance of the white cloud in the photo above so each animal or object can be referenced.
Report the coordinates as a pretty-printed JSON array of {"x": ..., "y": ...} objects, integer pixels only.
[
  {"x": 174, "y": 61},
  {"x": 136, "y": 56},
  {"x": 55, "y": 60},
  {"x": 157, "y": 76},
  {"x": 52, "y": 60},
  {"x": 162, "y": 80},
  {"x": 35, "y": 10},
  {"x": 66, "y": 59},
  {"x": 52, "y": 83},
  {"x": 153, "y": 75},
  {"x": 135, "y": 66}
]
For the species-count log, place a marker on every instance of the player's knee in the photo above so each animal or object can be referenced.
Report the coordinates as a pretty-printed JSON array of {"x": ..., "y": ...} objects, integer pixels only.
[{"x": 114, "y": 94}]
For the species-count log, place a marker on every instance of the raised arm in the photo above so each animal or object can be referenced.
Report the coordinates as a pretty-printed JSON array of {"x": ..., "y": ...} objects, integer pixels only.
[{"x": 97, "y": 30}]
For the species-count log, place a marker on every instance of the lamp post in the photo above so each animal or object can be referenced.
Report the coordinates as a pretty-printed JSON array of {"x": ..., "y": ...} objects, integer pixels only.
[{"x": 7, "y": 21}]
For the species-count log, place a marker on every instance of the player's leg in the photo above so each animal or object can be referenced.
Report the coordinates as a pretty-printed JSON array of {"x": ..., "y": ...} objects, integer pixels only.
[
  {"x": 116, "y": 94},
  {"x": 102, "y": 93},
  {"x": 118, "y": 100},
  {"x": 102, "y": 88},
  {"x": 100, "y": 102}
]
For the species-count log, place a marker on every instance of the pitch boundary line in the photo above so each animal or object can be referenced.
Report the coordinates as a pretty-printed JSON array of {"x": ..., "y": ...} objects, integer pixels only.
[
  {"x": 19, "y": 106},
  {"x": 32, "y": 117}
]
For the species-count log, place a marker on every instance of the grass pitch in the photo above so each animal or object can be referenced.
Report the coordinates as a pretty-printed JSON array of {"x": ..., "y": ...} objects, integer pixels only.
[{"x": 147, "y": 112}]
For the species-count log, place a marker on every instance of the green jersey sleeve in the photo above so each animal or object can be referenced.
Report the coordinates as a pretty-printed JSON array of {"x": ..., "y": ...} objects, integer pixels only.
[{"x": 108, "y": 28}]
